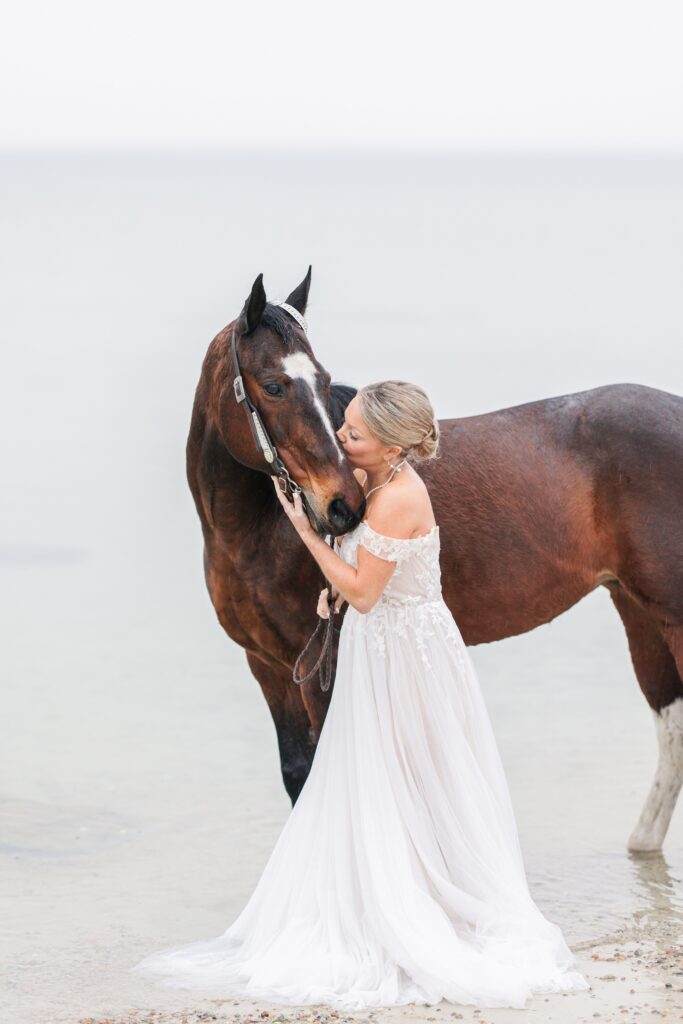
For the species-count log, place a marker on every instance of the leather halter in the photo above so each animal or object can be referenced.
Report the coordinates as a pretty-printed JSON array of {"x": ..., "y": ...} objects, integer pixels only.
[{"x": 262, "y": 440}]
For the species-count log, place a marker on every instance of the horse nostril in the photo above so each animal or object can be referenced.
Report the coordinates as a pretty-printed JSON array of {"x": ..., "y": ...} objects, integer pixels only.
[{"x": 341, "y": 516}]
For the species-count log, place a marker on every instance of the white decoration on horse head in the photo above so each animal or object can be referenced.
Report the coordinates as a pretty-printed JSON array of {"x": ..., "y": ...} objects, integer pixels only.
[{"x": 295, "y": 313}]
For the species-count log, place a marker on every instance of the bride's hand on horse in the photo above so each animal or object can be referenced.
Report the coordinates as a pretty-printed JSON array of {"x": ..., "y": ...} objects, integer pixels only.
[
  {"x": 295, "y": 512},
  {"x": 323, "y": 608}
]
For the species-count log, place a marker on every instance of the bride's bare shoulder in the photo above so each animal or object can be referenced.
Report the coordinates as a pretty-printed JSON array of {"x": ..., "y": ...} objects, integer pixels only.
[{"x": 403, "y": 511}]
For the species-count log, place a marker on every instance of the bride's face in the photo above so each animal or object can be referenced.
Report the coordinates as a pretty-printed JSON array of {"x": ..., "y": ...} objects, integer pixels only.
[{"x": 362, "y": 448}]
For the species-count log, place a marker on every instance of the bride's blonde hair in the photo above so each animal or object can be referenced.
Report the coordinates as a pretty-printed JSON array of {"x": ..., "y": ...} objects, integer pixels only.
[{"x": 400, "y": 413}]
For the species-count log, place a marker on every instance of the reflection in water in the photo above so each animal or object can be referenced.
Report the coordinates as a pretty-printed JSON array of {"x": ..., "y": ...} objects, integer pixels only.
[
  {"x": 659, "y": 893},
  {"x": 599, "y": 896}
]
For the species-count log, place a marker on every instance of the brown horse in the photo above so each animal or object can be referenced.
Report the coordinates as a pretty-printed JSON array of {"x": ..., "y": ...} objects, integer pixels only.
[{"x": 538, "y": 504}]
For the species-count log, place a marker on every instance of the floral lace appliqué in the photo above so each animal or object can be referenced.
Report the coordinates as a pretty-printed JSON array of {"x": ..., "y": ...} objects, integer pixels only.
[
  {"x": 412, "y": 604},
  {"x": 415, "y": 622}
]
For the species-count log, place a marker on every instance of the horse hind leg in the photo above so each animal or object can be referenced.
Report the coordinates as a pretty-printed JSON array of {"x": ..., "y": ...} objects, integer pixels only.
[
  {"x": 658, "y": 665},
  {"x": 659, "y": 806}
]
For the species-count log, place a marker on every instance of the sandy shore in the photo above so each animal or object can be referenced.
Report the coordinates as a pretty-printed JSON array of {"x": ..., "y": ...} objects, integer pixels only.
[{"x": 634, "y": 976}]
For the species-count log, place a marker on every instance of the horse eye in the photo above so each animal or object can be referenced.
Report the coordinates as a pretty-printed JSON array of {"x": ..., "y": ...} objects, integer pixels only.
[{"x": 273, "y": 389}]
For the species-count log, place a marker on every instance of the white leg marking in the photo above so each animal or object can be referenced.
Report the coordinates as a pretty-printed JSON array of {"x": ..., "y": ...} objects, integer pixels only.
[
  {"x": 300, "y": 365},
  {"x": 655, "y": 817}
]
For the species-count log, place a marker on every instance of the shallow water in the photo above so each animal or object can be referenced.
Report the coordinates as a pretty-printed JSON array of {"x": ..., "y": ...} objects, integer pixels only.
[{"x": 139, "y": 780}]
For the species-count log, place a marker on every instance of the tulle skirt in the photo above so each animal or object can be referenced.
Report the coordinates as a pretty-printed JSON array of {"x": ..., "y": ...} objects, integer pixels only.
[{"x": 398, "y": 876}]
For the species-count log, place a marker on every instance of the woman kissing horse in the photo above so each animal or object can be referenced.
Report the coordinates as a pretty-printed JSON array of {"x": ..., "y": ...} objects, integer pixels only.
[{"x": 538, "y": 504}]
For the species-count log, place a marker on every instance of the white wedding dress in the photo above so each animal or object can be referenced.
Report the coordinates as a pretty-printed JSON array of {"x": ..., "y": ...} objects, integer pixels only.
[{"x": 398, "y": 875}]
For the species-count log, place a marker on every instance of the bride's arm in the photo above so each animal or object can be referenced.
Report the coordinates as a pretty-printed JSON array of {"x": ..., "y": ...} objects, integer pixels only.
[{"x": 361, "y": 587}]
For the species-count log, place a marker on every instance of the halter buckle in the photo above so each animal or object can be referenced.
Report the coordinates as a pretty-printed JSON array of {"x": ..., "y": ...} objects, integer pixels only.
[{"x": 238, "y": 385}]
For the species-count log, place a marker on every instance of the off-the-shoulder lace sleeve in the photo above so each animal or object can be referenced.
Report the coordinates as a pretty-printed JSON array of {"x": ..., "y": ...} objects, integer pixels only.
[{"x": 391, "y": 549}]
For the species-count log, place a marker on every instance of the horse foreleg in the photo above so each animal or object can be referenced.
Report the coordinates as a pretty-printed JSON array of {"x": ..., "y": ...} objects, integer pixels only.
[
  {"x": 659, "y": 677},
  {"x": 296, "y": 739}
]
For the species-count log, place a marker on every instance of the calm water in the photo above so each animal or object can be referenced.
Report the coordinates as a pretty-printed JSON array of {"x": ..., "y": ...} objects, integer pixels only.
[{"x": 139, "y": 779}]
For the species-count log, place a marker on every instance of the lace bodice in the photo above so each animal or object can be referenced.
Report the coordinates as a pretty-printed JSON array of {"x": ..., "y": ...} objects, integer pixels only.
[
  {"x": 411, "y": 605},
  {"x": 417, "y": 576}
]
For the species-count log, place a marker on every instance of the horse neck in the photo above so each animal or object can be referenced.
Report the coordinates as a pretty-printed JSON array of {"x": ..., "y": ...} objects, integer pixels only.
[{"x": 232, "y": 499}]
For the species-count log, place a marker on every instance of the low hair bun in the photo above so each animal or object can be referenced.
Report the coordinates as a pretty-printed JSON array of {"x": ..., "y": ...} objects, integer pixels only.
[
  {"x": 400, "y": 413},
  {"x": 427, "y": 448}
]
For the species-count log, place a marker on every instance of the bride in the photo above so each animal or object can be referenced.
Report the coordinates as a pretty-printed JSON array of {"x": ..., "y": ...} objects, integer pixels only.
[{"x": 398, "y": 876}]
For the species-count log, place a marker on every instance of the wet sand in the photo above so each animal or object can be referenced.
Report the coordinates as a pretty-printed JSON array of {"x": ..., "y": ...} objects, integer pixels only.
[{"x": 635, "y": 976}]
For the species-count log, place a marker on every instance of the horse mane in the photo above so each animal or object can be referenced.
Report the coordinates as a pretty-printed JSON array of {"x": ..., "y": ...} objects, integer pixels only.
[{"x": 340, "y": 396}]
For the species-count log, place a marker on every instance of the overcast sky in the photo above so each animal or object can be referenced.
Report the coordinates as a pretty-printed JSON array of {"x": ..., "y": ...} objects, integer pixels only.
[{"x": 488, "y": 73}]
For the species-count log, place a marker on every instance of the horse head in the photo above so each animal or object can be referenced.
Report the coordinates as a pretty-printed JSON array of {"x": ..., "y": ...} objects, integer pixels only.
[{"x": 297, "y": 404}]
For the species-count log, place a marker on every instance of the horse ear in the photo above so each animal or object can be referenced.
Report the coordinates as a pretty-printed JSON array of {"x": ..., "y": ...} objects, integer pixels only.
[
  {"x": 299, "y": 297},
  {"x": 252, "y": 311}
]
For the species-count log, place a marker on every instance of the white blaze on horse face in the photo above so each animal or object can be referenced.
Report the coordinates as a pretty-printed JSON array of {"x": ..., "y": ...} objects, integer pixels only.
[{"x": 300, "y": 366}]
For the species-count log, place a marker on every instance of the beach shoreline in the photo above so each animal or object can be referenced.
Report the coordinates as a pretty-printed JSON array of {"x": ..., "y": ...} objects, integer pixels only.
[{"x": 634, "y": 975}]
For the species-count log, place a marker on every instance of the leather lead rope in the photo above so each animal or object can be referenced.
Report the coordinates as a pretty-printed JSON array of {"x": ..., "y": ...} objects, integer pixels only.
[{"x": 324, "y": 663}]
